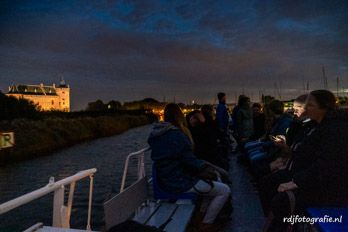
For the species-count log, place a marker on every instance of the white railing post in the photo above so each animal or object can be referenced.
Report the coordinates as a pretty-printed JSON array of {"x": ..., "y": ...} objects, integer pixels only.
[
  {"x": 125, "y": 169},
  {"x": 69, "y": 205},
  {"x": 61, "y": 213},
  {"x": 141, "y": 166},
  {"x": 88, "y": 227},
  {"x": 58, "y": 207}
]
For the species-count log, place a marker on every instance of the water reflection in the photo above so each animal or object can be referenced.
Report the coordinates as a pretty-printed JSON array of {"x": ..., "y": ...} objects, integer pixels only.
[{"x": 106, "y": 154}]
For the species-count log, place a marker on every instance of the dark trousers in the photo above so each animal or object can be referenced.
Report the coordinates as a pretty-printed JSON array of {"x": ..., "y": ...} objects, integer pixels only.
[{"x": 268, "y": 186}]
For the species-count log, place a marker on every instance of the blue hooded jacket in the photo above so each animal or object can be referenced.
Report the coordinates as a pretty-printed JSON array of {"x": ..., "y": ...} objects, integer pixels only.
[
  {"x": 173, "y": 156},
  {"x": 282, "y": 125}
]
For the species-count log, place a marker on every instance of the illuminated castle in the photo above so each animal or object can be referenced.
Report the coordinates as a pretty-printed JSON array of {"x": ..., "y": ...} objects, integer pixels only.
[{"x": 46, "y": 97}]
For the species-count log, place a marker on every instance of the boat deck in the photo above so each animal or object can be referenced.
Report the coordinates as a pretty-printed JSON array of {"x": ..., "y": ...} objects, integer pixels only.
[{"x": 247, "y": 213}]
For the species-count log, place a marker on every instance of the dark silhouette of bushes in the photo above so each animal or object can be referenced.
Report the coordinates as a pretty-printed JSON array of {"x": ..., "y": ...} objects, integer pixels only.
[
  {"x": 39, "y": 137},
  {"x": 11, "y": 108}
]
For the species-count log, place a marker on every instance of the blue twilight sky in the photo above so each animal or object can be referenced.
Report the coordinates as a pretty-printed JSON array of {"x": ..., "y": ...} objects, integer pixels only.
[{"x": 190, "y": 50}]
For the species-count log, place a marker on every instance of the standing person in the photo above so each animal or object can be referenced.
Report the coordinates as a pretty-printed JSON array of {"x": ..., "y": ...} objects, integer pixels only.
[
  {"x": 179, "y": 171},
  {"x": 234, "y": 116},
  {"x": 244, "y": 120},
  {"x": 222, "y": 114},
  {"x": 222, "y": 119}
]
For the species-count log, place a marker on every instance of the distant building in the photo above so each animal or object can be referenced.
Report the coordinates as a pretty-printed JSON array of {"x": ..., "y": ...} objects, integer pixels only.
[{"x": 46, "y": 97}]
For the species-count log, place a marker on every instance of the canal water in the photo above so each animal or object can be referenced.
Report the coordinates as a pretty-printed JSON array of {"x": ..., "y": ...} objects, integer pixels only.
[{"x": 106, "y": 154}]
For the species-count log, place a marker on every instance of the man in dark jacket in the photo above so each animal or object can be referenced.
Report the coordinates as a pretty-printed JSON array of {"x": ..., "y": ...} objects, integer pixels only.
[
  {"x": 222, "y": 120},
  {"x": 222, "y": 114}
]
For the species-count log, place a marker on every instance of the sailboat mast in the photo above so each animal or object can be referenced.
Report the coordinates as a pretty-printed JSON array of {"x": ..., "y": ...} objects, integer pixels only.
[{"x": 325, "y": 79}]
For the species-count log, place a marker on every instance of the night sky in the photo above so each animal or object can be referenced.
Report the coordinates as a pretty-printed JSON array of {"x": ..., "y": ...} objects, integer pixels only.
[{"x": 187, "y": 50}]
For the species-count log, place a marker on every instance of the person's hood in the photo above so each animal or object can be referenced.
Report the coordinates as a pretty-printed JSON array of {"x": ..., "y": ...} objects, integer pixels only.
[
  {"x": 161, "y": 128},
  {"x": 286, "y": 115}
]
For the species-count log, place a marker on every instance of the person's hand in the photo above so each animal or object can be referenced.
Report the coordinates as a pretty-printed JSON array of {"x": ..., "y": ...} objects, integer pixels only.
[
  {"x": 277, "y": 164},
  {"x": 280, "y": 141},
  {"x": 208, "y": 173},
  {"x": 287, "y": 186},
  {"x": 223, "y": 173}
]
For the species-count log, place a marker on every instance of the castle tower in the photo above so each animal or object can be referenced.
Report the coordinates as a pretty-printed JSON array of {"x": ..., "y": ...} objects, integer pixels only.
[{"x": 63, "y": 91}]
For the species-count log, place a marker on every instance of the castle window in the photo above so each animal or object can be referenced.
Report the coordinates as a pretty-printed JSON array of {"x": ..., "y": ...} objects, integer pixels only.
[
  {"x": 52, "y": 102},
  {"x": 63, "y": 92}
]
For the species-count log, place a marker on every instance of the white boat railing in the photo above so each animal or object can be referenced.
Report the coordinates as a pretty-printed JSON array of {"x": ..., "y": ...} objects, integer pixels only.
[
  {"x": 141, "y": 166},
  {"x": 61, "y": 213}
]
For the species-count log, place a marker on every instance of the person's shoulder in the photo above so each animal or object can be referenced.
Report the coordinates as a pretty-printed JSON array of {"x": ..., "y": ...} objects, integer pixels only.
[
  {"x": 288, "y": 118},
  {"x": 174, "y": 132}
]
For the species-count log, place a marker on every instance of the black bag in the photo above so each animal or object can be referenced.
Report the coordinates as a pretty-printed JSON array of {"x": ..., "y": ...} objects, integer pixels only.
[
  {"x": 269, "y": 220},
  {"x": 133, "y": 226}
]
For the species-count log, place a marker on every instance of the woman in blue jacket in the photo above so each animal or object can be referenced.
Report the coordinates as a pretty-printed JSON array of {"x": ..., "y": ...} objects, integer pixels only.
[{"x": 178, "y": 169}]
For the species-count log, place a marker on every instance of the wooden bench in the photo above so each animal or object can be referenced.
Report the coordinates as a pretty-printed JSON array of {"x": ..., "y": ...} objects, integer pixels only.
[
  {"x": 330, "y": 212},
  {"x": 133, "y": 203}
]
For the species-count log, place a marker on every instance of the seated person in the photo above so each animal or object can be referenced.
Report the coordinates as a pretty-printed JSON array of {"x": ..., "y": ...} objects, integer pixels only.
[
  {"x": 205, "y": 140},
  {"x": 178, "y": 170},
  {"x": 320, "y": 164},
  {"x": 280, "y": 125},
  {"x": 258, "y": 121},
  {"x": 261, "y": 156},
  {"x": 299, "y": 129}
]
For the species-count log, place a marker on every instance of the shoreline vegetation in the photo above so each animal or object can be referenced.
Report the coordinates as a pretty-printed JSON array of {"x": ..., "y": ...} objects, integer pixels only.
[
  {"x": 39, "y": 133},
  {"x": 35, "y": 138}
]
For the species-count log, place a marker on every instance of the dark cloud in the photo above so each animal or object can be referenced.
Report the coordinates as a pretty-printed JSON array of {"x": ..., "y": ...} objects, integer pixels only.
[{"x": 187, "y": 49}]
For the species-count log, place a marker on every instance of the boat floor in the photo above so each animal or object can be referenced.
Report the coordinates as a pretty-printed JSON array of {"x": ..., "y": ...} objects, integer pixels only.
[{"x": 247, "y": 213}]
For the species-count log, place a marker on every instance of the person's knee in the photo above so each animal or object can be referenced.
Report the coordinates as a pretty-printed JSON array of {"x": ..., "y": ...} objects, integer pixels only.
[{"x": 225, "y": 190}]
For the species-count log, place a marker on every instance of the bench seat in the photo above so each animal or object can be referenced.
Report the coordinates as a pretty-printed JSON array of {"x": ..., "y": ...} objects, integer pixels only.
[{"x": 174, "y": 217}]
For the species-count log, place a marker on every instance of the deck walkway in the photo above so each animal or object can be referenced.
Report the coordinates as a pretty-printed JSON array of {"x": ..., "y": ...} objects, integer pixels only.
[{"x": 247, "y": 213}]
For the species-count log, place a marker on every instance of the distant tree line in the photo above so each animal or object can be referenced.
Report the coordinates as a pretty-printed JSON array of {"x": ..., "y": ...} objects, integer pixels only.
[
  {"x": 145, "y": 104},
  {"x": 100, "y": 106},
  {"x": 12, "y": 108}
]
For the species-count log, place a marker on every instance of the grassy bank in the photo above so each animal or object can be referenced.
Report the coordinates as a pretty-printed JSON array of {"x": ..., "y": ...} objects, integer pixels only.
[{"x": 39, "y": 137}]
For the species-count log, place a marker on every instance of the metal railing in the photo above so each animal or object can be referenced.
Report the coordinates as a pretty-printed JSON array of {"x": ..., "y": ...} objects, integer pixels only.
[
  {"x": 141, "y": 166},
  {"x": 61, "y": 213}
]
